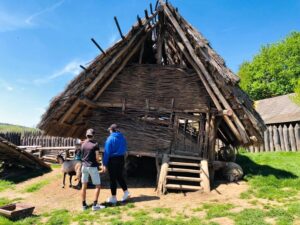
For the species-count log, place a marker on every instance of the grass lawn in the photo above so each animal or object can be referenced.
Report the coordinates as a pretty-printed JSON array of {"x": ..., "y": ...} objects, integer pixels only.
[
  {"x": 272, "y": 198},
  {"x": 14, "y": 128}
]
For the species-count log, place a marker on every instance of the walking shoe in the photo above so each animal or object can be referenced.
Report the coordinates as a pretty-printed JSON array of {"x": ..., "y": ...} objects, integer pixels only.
[
  {"x": 97, "y": 207},
  {"x": 126, "y": 196},
  {"x": 84, "y": 207},
  {"x": 112, "y": 200}
]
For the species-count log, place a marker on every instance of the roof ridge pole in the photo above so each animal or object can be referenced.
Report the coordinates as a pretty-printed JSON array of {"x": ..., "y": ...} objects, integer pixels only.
[{"x": 119, "y": 28}]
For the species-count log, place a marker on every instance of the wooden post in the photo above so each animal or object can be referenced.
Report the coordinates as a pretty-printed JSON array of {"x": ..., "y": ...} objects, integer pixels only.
[
  {"x": 286, "y": 138},
  {"x": 276, "y": 139},
  {"x": 292, "y": 138},
  {"x": 271, "y": 138},
  {"x": 297, "y": 136},
  {"x": 204, "y": 175},
  {"x": 266, "y": 140},
  {"x": 163, "y": 173},
  {"x": 281, "y": 138}
]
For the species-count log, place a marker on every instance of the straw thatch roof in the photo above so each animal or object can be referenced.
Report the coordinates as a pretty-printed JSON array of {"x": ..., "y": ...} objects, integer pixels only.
[
  {"x": 280, "y": 109},
  {"x": 162, "y": 38}
]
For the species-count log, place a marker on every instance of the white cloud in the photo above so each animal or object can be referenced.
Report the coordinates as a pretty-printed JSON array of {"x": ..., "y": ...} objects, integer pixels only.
[
  {"x": 11, "y": 21},
  {"x": 72, "y": 68},
  {"x": 29, "y": 20},
  {"x": 4, "y": 84}
]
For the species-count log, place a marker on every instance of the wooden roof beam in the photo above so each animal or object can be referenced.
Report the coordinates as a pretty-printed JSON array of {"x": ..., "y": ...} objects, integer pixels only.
[{"x": 211, "y": 82}]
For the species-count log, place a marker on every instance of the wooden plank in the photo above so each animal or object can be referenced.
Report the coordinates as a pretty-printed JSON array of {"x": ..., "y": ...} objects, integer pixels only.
[
  {"x": 280, "y": 132},
  {"x": 184, "y": 164},
  {"x": 183, "y": 187},
  {"x": 184, "y": 157},
  {"x": 271, "y": 138},
  {"x": 297, "y": 136},
  {"x": 276, "y": 139},
  {"x": 292, "y": 138},
  {"x": 181, "y": 178},
  {"x": 180, "y": 170},
  {"x": 286, "y": 138}
]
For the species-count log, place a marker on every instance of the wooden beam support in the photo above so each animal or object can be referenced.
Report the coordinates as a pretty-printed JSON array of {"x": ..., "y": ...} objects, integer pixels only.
[
  {"x": 119, "y": 28},
  {"x": 242, "y": 131},
  {"x": 98, "y": 46},
  {"x": 82, "y": 67}
]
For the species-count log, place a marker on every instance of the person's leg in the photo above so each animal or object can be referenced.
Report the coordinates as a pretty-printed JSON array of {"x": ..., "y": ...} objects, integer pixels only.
[
  {"x": 95, "y": 176},
  {"x": 119, "y": 174},
  {"x": 84, "y": 180},
  {"x": 112, "y": 170},
  {"x": 94, "y": 173}
]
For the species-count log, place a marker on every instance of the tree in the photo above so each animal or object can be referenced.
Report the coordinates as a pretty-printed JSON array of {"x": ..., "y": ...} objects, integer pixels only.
[{"x": 274, "y": 71}]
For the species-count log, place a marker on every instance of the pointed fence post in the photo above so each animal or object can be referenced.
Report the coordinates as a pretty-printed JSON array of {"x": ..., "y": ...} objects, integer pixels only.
[
  {"x": 292, "y": 138},
  {"x": 266, "y": 140},
  {"x": 276, "y": 139},
  {"x": 280, "y": 131},
  {"x": 297, "y": 136},
  {"x": 271, "y": 138},
  {"x": 286, "y": 138}
]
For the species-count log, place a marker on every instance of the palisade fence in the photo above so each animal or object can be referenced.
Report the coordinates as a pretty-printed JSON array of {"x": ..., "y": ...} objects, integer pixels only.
[
  {"x": 281, "y": 137},
  {"x": 36, "y": 138}
]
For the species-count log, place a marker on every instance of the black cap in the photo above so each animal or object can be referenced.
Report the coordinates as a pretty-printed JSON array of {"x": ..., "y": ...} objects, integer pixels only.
[{"x": 113, "y": 127}]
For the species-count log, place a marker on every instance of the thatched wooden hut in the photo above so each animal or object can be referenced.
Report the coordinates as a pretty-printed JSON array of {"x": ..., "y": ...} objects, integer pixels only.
[{"x": 170, "y": 93}]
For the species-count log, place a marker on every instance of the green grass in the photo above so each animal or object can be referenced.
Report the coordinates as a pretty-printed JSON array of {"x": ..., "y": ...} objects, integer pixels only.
[
  {"x": 59, "y": 217},
  {"x": 250, "y": 217},
  {"x": 36, "y": 186},
  {"x": 4, "y": 184},
  {"x": 273, "y": 176},
  {"x": 214, "y": 210},
  {"x": 160, "y": 210}
]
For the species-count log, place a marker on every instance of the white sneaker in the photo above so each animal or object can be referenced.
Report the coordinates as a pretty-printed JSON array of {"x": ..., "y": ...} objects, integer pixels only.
[
  {"x": 126, "y": 196},
  {"x": 112, "y": 200},
  {"x": 97, "y": 207}
]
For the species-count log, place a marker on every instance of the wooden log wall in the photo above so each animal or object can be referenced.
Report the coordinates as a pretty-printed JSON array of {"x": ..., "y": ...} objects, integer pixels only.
[{"x": 282, "y": 137}]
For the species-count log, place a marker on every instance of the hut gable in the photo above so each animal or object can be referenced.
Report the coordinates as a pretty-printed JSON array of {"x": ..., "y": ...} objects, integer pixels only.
[{"x": 163, "y": 76}]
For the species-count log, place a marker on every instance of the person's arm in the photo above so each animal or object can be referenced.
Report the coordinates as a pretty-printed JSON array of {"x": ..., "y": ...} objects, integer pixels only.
[{"x": 107, "y": 151}]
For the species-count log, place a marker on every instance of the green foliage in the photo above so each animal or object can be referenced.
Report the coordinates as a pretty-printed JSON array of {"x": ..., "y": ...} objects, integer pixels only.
[
  {"x": 4, "y": 127},
  {"x": 4, "y": 184},
  {"x": 296, "y": 98},
  {"x": 36, "y": 186},
  {"x": 274, "y": 71}
]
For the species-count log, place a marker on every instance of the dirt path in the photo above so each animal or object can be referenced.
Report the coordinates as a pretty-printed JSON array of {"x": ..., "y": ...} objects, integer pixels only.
[{"x": 52, "y": 196}]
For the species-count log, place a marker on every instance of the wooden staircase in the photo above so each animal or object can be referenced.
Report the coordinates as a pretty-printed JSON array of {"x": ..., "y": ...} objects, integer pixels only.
[{"x": 181, "y": 173}]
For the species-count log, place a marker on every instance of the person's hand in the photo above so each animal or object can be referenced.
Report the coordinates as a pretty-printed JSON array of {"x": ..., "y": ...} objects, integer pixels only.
[{"x": 103, "y": 169}]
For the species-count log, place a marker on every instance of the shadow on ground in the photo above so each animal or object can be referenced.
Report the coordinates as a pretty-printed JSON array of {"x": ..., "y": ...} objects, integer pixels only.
[
  {"x": 253, "y": 169},
  {"x": 18, "y": 174}
]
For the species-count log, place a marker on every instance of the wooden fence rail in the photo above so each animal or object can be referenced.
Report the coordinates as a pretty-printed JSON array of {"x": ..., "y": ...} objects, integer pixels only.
[
  {"x": 37, "y": 139},
  {"x": 280, "y": 138}
]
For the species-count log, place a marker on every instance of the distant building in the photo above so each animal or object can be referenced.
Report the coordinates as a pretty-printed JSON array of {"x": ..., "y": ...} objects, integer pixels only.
[{"x": 278, "y": 110}]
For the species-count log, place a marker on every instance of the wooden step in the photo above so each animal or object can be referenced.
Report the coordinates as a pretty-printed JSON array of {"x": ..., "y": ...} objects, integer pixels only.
[
  {"x": 184, "y": 164},
  {"x": 185, "y": 157},
  {"x": 183, "y": 187},
  {"x": 183, "y": 170},
  {"x": 195, "y": 179}
]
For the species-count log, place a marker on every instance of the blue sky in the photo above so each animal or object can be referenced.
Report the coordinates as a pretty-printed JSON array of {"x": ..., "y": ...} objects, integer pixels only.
[{"x": 42, "y": 43}]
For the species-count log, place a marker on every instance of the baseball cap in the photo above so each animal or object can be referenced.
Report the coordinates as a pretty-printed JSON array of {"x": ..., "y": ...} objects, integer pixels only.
[
  {"x": 113, "y": 127},
  {"x": 90, "y": 132}
]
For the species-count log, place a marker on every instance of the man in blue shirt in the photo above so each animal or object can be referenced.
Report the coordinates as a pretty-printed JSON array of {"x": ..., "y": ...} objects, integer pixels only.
[{"x": 114, "y": 151}]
